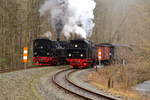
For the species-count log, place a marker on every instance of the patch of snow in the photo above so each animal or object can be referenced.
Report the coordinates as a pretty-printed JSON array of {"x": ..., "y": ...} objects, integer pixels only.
[{"x": 143, "y": 88}]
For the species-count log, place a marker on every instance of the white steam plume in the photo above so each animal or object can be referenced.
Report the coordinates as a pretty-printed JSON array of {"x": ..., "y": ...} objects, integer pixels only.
[{"x": 70, "y": 16}]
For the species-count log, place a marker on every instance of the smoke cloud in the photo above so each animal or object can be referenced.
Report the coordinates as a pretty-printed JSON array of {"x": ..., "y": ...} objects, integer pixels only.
[{"x": 70, "y": 16}]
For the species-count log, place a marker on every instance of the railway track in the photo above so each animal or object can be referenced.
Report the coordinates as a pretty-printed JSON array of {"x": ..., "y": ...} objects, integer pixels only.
[{"x": 61, "y": 79}]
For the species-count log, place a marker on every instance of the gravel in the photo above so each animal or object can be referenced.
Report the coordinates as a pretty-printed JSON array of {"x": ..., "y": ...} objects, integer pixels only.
[
  {"x": 32, "y": 84},
  {"x": 51, "y": 92},
  {"x": 36, "y": 84},
  {"x": 19, "y": 85}
]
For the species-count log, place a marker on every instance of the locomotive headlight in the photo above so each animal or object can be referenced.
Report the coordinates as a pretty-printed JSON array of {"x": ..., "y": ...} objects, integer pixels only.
[
  {"x": 41, "y": 47},
  {"x": 69, "y": 55},
  {"x": 47, "y": 54},
  {"x": 35, "y": 53},
  {"x": 76, "y": 45},
  {"x": 81, "y": 55},
  {"x": 110, "y": 54}
]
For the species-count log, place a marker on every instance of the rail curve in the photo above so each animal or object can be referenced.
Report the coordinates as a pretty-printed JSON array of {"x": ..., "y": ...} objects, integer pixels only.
[{"x": 62, "y": 80}]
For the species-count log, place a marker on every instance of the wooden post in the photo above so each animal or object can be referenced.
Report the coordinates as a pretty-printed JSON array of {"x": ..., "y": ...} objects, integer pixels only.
[
  {"x": 110, "y": 83},
  {"x": 123, "y": 62}
]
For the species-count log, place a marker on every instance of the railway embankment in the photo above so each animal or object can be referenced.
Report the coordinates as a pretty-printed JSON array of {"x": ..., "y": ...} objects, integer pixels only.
[
  {"x": 50, "y": 91},
  {"x": 120, "y": 80},
  {"x": 81, "y": 79},
  {"x": 32, "y": 84},
  {"x": 36, "y": 84},
  {"x": 22, "y": 85}
]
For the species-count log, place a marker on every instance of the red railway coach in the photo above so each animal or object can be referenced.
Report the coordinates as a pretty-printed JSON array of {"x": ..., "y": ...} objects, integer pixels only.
[{"x": 105, "y": 52}]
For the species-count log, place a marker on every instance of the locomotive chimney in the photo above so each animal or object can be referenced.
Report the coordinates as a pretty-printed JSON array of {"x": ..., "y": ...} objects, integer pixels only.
[
  {"x": 59, "y": 27},
  {"x": 58, "y": 37}
]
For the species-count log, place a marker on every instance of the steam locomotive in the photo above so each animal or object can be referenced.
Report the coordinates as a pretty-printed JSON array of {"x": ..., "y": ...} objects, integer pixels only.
[
  {"x": 78, "y": 53},
  {"x": 48, "y": 52},
  {"x": 81, "y": 53}
]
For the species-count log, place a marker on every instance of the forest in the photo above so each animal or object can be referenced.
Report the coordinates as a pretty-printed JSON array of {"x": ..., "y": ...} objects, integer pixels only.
[{"x": 116, "y": 21}]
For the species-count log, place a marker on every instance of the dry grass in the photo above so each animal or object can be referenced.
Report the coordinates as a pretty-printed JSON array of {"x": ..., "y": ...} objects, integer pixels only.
[
  {"x": 120, "y": 79},
  {"x": 124, "y": 93}
]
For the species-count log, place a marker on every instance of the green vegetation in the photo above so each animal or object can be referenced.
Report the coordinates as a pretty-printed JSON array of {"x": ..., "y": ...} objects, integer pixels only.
[{"x": 2, "y": 60}]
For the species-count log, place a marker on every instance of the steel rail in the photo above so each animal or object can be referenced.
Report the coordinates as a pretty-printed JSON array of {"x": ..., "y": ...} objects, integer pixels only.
[
  {"x": 75, "y": 89},
  {"x": 103, "y": 95}
]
